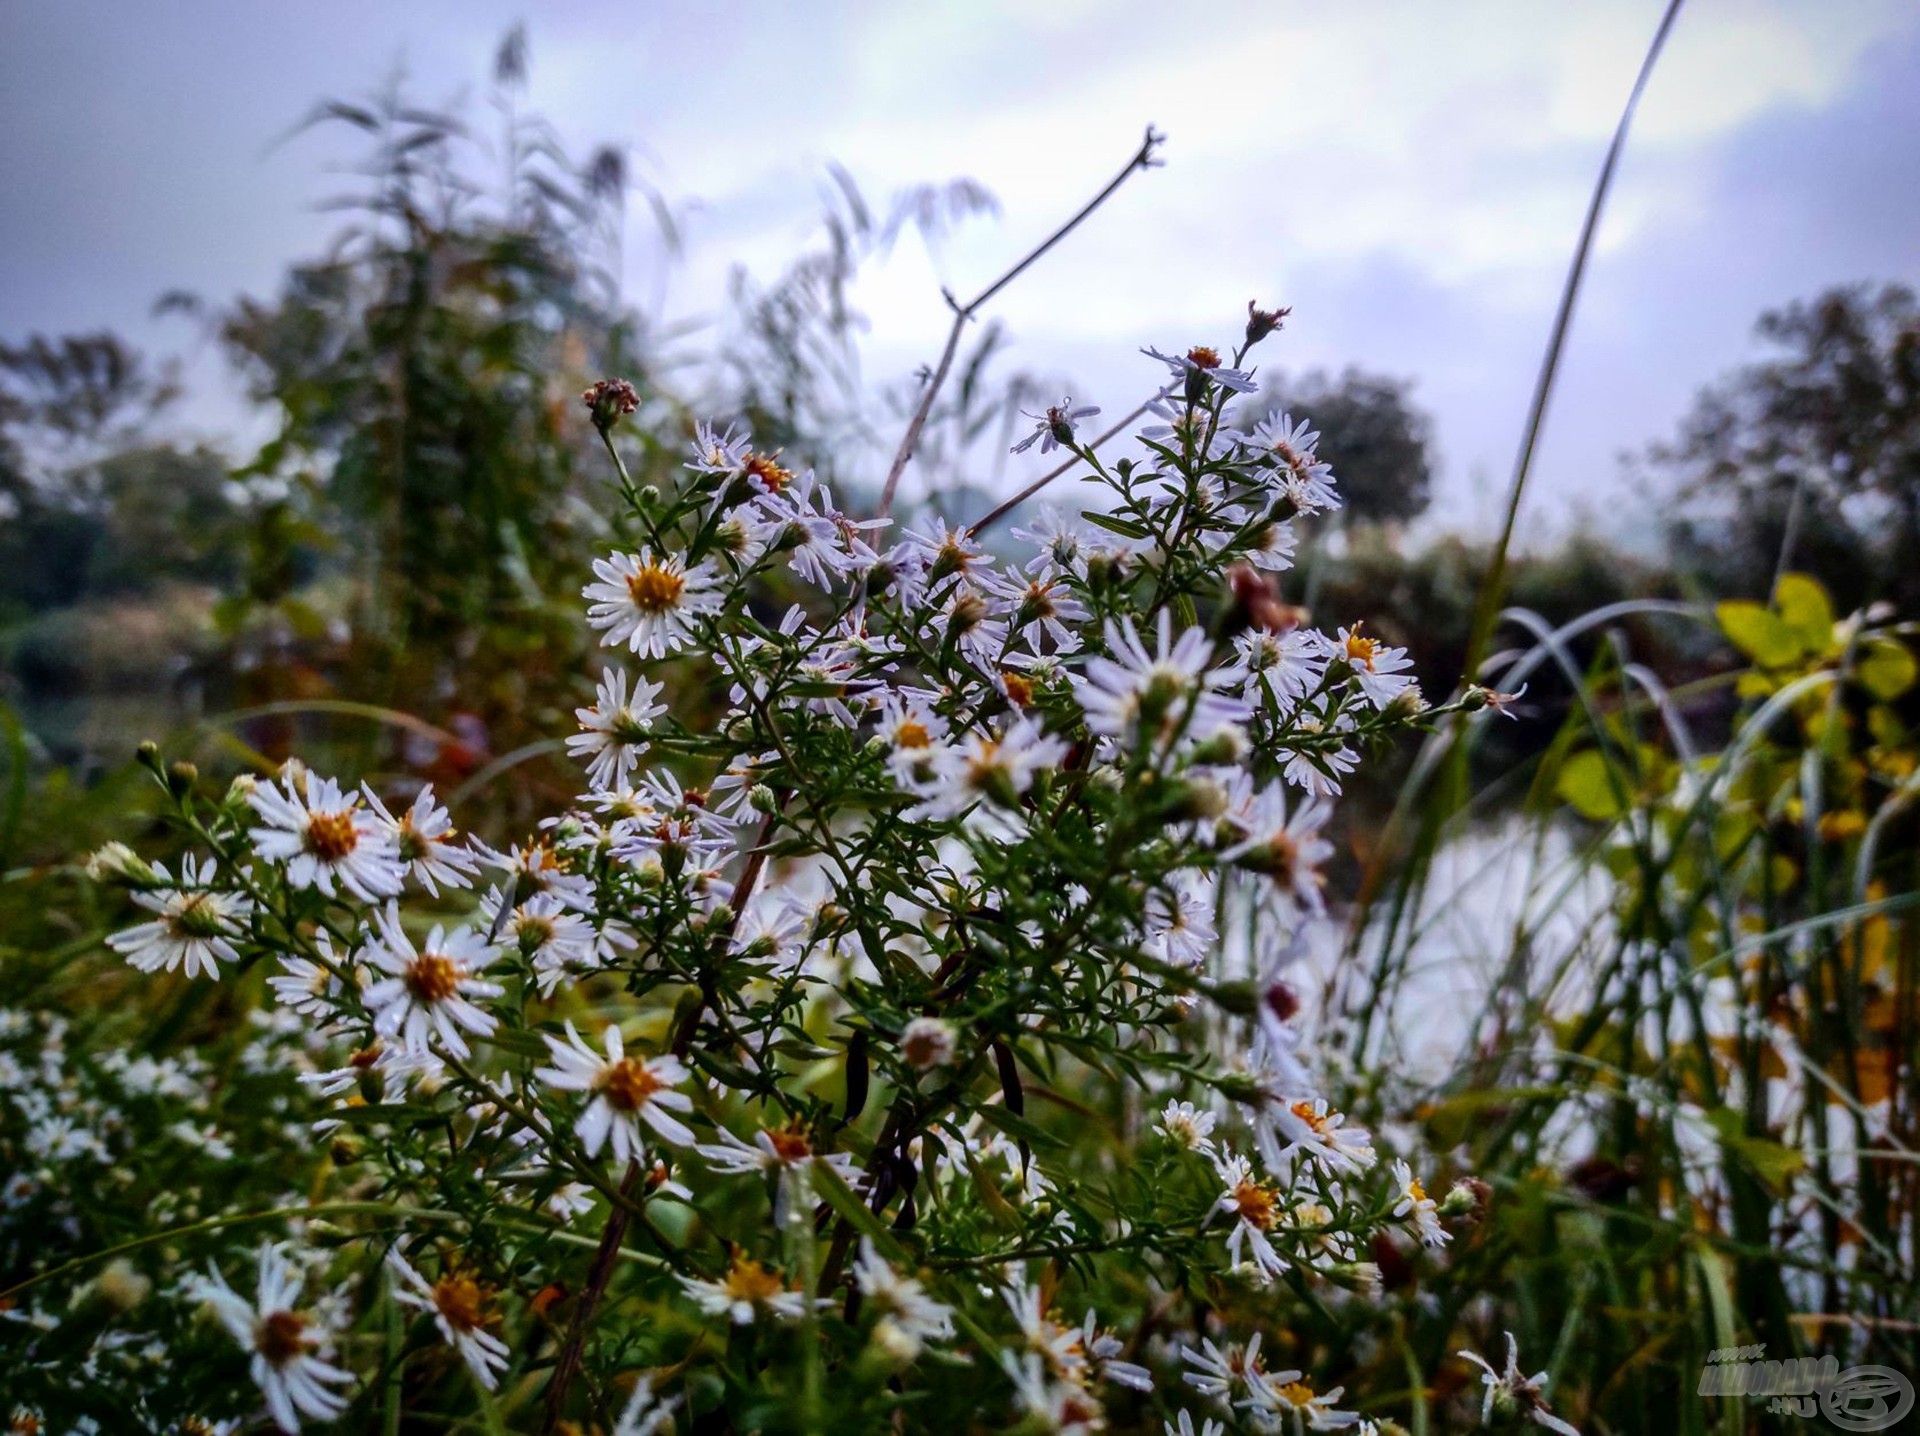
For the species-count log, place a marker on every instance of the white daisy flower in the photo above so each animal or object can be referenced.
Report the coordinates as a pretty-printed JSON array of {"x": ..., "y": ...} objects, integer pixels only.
[
  {"x": 194, "y": 926},
  {"x": 626, "y": 1091},
  {"x": 1292, "y": 446},
  {"x": 1288, "y": 665},
  {"x": 616, "y": 729},
  {"x": 1296, "y": 1404},
  {"x": 430, "y": 990},
  {"x": 1062, "y": 545},
  {"x": 458, "y": 1307},
  {"x": 311, "y": 988},
  {"x": 1059, "y": 1406},
  {"x": 1416, "y": 1207},
  {"x": 644, "y": 1415},
  {"x": 1179, "y": 919},
  {"x": 289, "y": 1345},
  {"x": 423, "y": 836},
  {"x": 910, "y": 1316},
  {"x": 324, "y": 837},
  {"x": 1186, "y": 1126},
  {"x": 1221, "y": 1371},
  {"x": 1288, "y": 849},
  {"x": 1135, "y": 692},
  {"x": 746, "y": 1291},
  {"x": 1054, "y": 427},
  {"x": 1312, "y": 1128},
  {"x": 1511, "y": 1393},
  {"x": 1255, "y": 1205},
  {"x": 1201, "y": 364},
  {"x": 649, "y": 604},
  {"x": 1380, "y": 671},
  {"x": 1042, "y": 606},
  {"x": 718, "y": 452},
  {"x": 985, "y": 778}
]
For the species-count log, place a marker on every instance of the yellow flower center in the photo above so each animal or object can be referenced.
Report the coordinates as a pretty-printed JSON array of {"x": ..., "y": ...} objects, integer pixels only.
[
  {"x": 655, "y": 589},
  {"x": 1204, "y": 357},
  {"x": 790, "y": 1145},
  {"x": 197, "y": 916},
  {"x": 1254, "y": 1204},
  {"x": 331, "y": 836},
  {"x": 770, "y": 475},
  {"x": 280, "y": 1337},
  {"x": 1305, "y": 1112},
  {"x": 1296, "y": 1394},
  {"x": 912, "y": 734},
  {"x": 461, "y": 1300},
  {"x": 1361, "y": 649},
  {"x": 433, "y": 977},
  {"x": 747, "y": 1280},
  {"x": 629, "y": 1084},
  {"x": 1019, "y": 690}
]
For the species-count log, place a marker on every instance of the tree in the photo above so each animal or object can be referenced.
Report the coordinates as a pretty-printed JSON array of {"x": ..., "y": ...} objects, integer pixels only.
[
  {"x": 1809, "y": 459},
  {"x": 1373, "y": 436}
]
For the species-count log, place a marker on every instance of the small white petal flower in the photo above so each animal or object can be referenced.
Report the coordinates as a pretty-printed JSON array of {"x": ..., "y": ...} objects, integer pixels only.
[
  {"x": 289, "y": 1345},
  {"x": 649, "y": 604},
  {"x": 626, "y": 1091}
]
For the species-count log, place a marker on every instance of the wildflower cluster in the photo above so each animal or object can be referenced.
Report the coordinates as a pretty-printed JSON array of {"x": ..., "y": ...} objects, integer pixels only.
[{"x": 905, "y": 980}]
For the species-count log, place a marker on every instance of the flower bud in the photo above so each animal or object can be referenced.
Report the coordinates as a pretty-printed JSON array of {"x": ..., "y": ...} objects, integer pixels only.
[
  {"x": 762, "y": 798},
  {"x": 926, "y": 1043},
  {"x": 1262, "y": 322},
  {"x": 122, "y": 1285},
  {"x": 1409, "y": 703},
  {"x": 118, "y": 863},
  {"x": 1469, "y": 1198},
  {"x": 608, "y": 401},
  {"x": 181, "y": 776}
]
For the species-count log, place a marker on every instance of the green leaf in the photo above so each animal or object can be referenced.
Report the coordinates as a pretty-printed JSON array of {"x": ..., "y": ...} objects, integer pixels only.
[
  {"x": 1805, "y": 609},
  {"x": 1018, "y": 1127},
  {"x": 838, "y": 1195},
  {"x": 1770, "y": 1161},
  {"x": 1886, "y": 669},
  {"x": 1757, "y": 632},
  {"x": 1592, "y": 785},
  {"x": 1125, "y": 527}
]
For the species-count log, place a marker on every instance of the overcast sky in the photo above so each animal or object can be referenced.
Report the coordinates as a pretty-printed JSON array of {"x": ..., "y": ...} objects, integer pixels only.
[{"x": 1409, "y": 177}]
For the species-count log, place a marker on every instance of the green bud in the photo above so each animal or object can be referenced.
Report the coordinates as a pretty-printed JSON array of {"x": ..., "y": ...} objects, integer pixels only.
[{"x": 181, "y": 776}]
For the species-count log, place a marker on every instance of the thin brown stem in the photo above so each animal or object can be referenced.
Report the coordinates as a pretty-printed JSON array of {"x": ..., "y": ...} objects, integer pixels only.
[
  {"x": 567, "y": 1365},
  {"x": 1001, "y": 510},
  {"x": 1143, "y": 158}
]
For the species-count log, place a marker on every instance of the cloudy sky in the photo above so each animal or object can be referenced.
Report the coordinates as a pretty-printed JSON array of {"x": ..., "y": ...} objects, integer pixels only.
[{"x": 1410, "y": 177}]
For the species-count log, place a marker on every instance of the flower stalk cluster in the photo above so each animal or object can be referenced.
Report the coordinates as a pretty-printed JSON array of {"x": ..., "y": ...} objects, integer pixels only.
[{"x": 905, "y": 884}]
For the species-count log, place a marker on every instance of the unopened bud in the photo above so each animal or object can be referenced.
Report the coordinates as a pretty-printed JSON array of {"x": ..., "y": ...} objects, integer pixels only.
[
  {"x": 1409, "y": 703},
  {"x": 762, "y": 799},
  {"x": 1262, "y": 322},
  {"x": 1468, "y": 1198},
  {"x": 610, "y": 400},
  {"x": 122, "y": 1285},
  {"x": 118, "y": 863},
  {"x": 926, "y": 1043},
  {"x": 181, "y": 776}
]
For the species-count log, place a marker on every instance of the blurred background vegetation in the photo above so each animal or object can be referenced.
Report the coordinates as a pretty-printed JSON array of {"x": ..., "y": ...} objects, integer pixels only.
[{"x": 388, "y": 583}]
